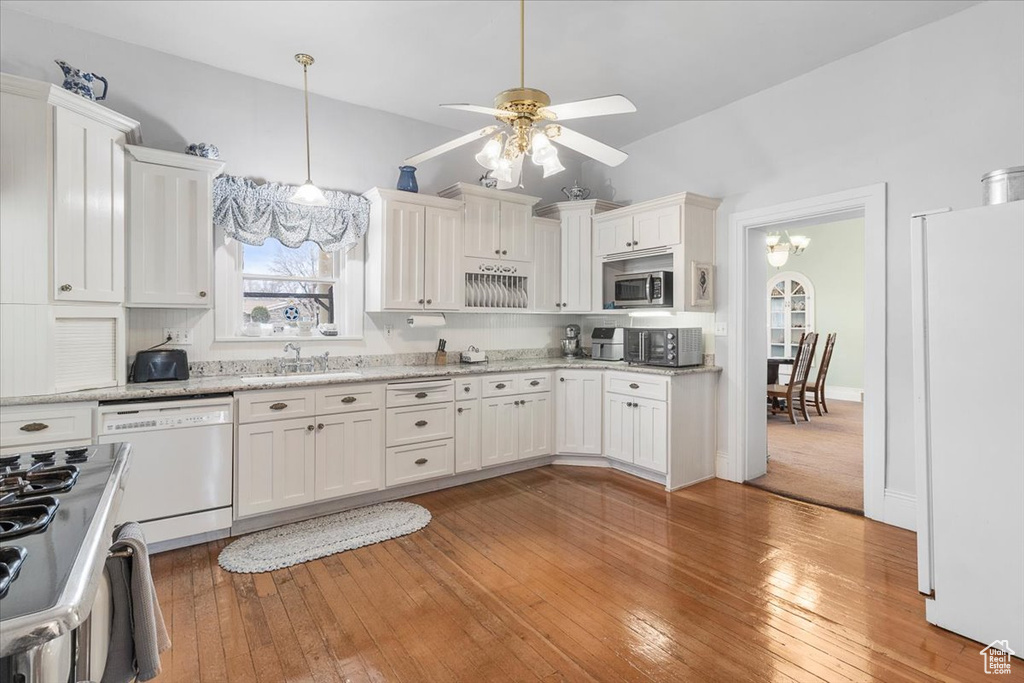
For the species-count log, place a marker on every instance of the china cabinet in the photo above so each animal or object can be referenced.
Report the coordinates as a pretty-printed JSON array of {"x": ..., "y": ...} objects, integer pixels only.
[{"x": 790, "y": 313}]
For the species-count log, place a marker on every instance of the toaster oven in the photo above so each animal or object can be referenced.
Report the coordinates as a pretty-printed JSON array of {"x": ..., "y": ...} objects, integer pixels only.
[{"x": 673, "y": 347}]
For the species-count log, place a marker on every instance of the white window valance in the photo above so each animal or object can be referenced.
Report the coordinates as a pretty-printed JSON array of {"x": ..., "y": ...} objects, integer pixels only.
[{"x": 251, "y": 213}]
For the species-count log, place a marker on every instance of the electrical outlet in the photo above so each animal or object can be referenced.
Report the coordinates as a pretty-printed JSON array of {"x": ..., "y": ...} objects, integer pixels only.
[
  {"x": 388, "y": 330},
  {"x": 721, "y": 330},
  {"x": 178, "y": 336}
]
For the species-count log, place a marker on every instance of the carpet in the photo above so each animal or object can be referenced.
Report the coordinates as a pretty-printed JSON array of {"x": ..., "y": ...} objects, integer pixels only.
[
  {"x": 821, "y": 461},
  {"x": 312, "y": 539}
]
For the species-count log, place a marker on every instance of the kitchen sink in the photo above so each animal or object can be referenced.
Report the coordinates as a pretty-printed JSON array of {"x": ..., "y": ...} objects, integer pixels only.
[{"x": 283, "y": 379}]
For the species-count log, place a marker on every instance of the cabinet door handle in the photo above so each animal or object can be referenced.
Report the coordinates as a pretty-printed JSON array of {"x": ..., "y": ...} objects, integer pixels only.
[
  {"x": 634, "y": 385},
  {"x": 202, "y": 295},
  {"x": 320, "y": 426},
  {"x": 558, "y": 305},
  {"x": 629, "y": 244},
  {"x": 349, "y": 399},
  {"x": 499, "y": 385},
  {"x": 564, "y": 305},
  {"x": 534, "y": 383},
  {"x": 421, "y": 301},
  {"x": 628, "y": 404},
  {"x": 430, "y": 301},
  {"x": 460, "y": 411},
  {"x": 466, "y": 388},
  {"x": 65, "y": 288},
  {"x": 421, "y": 461},
  {"x": 561, "y": 379},
  {"x": 421, "y": 394},
  {"x": 309, "y": 428},
  {"x": 498, "y": 252},
  {"x": 504, "y": 252},
  {"x": 278, "y": 406},
  {"x": 34, "y": 427},
  {"x": 515, "y": 403},
  {"x": 421, "y": 423}
]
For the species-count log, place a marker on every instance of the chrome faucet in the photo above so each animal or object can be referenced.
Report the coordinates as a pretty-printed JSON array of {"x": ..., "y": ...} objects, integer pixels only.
[
  {"x": 297, "y": 365},
  {"x": 296, "y": 348}
]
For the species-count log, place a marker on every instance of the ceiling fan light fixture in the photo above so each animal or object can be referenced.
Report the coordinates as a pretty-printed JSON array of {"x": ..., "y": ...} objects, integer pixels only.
[
  {"x": 553, "y": 166},
  {"x": 490, "y": 154},
  {"x": 502, "y": 170}
]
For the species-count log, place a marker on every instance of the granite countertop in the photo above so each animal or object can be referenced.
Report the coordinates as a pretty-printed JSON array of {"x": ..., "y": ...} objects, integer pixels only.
[{"x": 218, "y": 384}]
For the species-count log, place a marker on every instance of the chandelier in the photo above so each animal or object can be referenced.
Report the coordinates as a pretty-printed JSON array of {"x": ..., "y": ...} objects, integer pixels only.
[{"x": 777, "y": 251}]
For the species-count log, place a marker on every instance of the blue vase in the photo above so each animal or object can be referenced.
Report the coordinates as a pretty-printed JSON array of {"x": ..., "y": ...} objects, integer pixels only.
[{"x": 407, "y": 179}]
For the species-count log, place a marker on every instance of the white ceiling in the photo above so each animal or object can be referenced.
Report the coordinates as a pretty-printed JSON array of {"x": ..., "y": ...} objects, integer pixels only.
[{"x": 675, "y": 60}]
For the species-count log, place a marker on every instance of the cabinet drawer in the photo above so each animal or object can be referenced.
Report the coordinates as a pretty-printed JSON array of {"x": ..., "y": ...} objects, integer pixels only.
[
  {"x": 534, "y": 382},
  {"x": 349, "y": 398},
  {"x": 255, "y": 406},
  {"x": 406, "y": 464},
  {"x": 420, "y": 393},
  {"x": 500, "y": 386},
  {"x": 643, "y": 386},
  {"x": 416, "y": 424},
  {"x": 467, "y": 388},
  {"x": 45, "y": 424}
]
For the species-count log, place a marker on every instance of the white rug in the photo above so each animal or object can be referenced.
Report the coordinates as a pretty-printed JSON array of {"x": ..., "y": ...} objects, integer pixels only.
[{"x": 292, "y": 544}]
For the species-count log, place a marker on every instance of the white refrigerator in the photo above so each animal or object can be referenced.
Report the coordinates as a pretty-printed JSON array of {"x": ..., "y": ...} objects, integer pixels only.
[{"x": 968, "y": 337}]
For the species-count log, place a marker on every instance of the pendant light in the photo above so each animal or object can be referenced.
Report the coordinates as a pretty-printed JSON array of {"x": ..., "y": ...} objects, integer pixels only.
[{"x": 309, "y": 194}]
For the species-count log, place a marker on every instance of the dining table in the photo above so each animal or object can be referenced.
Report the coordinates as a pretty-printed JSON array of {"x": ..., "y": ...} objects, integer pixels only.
[{"x": 773, "y": 368}]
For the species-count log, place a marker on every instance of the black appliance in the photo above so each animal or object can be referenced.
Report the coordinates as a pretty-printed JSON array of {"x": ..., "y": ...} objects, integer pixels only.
[{"x": 160, "y": 366}]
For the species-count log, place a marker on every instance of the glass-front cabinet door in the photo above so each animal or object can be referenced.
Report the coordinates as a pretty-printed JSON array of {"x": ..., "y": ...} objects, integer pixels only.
[{"x": 790, "y": 313}]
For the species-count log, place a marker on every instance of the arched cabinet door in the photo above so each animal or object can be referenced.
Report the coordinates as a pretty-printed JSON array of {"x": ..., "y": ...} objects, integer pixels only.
[{"x": 790, "y": 312}]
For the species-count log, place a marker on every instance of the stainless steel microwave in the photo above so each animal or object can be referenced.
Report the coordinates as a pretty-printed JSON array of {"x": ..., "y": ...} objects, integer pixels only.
[{"x": 643, "y": 290}]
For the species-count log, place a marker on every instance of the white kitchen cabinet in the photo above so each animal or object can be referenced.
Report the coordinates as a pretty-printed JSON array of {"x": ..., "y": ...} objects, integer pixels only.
[
  {"x": 547, "y": 284},
  {"x": 661, "y": 227},
  {"x": 650, "y": 434},
  {"x": 348, "y": 453},
  {"x": 467, "y": 436},
  {"x": 444, "y": 283},
  {"x": 578, "y": 412},
  {"x": 498, "y": 224},
  {"x": 613, "y": 236},
  {"x": 170, "y": 229},
  {"x": 483, "y": 222},
  {"x": 413, "y": 252},
  {"x": 534, "y": 426},
  {"x": 575, "y": 250},
  {"x": 276, "y": 465},
  {"x": 619, "y": 419},
  {"x": 499, "y": 435}
]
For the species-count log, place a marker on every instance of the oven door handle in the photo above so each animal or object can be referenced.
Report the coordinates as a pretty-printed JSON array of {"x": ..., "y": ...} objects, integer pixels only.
[
  {"x": 644, "y": 340},
  {"x": 649, "y": 289}
]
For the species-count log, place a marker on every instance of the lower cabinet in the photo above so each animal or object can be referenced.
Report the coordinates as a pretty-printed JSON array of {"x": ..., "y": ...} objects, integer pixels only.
[
  {"x": 406, "y": 464},
  {"x": 342, "y": 445},
  {"x": 467, "y": 436},
  {"x": 515, "y": 428},
  {"x": 276, "y": 465},
  {"x": 577, "y": 412},
  {"x": 636, "y": 431}
]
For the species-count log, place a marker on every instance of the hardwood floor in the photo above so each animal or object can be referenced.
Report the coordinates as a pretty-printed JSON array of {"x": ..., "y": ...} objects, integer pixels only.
[
  {"x": 575, "y": 574},
  {"x": 821, "y": 461}
]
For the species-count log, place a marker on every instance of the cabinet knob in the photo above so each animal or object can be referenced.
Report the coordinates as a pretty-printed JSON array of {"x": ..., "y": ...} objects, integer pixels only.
[
  {"x": 421, "y": 301},
  {"x": 421, "y": 461},
  {"x": 421, "y": 423},
  {"x": 635, "y": 243},
  {"x": 561, "y": 379},
  {"x": 629, "y": 244},
  {"x": 558, "y": 305},
  {"x": 65, "y": 288},
  {"x": 278, "y": 406},
  {"x": 202, "y": 295},
  {"x": 630, "y": 405},
  {"x": 309, "y": 428},
  {"x": 498, "y": 252},
  {"x": 466, "y": 389},
  {"x": 515, "y": 403},
  {"x": 503, "y": 252},
  {"x": 564, "y": 304},
  {"x": 460, "y": 411},
  {"x": 430, "y": 301},
  {"x": 320, "y": 426}
]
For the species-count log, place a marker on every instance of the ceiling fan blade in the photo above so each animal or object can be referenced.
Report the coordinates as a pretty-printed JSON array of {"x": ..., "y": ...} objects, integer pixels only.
[
  {"x": 477, "y": 109},
  {"x": 450, "y": 145},
  {"x": 583, "y": 144},
  {"x": 517, "y": 174},
  {"x": 598, "y": 106}
]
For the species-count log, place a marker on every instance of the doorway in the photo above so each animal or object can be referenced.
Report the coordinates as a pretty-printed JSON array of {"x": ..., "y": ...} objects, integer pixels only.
[
  {"x": 815, "y": 291},
  {"x": 748, "y": 353}
]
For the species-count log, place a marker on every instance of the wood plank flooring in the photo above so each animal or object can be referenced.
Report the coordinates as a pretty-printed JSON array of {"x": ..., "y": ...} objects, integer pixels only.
[{"x": 575, "y": 574}]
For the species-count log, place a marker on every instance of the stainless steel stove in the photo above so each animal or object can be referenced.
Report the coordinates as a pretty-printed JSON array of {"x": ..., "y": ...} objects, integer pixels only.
[{"x": 57, "y": 510}]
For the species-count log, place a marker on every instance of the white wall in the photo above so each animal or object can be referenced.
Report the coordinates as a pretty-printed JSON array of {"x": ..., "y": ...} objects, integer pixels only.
[
  {"x": 928, "y": 112},
  {"x": 258, "y": 127}
]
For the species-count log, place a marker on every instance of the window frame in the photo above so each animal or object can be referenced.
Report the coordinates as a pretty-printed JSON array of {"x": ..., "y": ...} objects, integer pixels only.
[{"x": 349, "y": 304}]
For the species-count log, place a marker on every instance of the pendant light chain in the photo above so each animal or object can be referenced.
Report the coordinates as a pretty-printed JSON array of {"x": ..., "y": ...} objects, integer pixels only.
[
  {"x": 522, "y": 43},
  {"x": 305, "y": 90}
]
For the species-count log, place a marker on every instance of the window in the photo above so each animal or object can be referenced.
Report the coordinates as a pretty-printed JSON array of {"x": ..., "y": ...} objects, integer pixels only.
[{"x": 273, "y": 291}]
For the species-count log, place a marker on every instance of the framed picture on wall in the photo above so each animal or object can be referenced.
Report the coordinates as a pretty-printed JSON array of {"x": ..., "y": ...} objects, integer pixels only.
[{"x": 702, "y": 284}]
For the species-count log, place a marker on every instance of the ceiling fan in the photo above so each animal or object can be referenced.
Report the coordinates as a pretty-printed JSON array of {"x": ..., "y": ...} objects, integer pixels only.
[{"x": 527, "y": 125}]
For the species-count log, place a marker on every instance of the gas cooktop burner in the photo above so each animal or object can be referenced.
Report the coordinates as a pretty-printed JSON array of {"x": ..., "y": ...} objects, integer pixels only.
[
  {"x": 26, "y": 516},
  {"x": 35, "y": 482},
  {"x": 11, "y": 559}
]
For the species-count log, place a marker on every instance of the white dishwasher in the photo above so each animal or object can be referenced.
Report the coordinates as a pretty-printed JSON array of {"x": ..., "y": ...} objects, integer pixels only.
[{"x": 179, "y": 475}]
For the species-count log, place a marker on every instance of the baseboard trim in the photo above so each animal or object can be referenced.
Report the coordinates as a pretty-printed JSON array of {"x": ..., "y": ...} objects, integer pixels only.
[
  {"x": 900, "y": 509},
  {"x": 724, "y": 467},
  {"x": 855, "y": 394}
]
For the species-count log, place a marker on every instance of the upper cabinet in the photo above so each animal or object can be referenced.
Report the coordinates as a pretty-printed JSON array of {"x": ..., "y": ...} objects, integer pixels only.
[
  {"x": 573, "y": 291},
  {"x": 170, "y": 229},
  {"x": 547, "y": 265},
  {"x": 498, "y": 224},
  {"x": 413, "y": 253},
  {"x": 661, "y": 227},
  {"x": 63, "y": 211}
]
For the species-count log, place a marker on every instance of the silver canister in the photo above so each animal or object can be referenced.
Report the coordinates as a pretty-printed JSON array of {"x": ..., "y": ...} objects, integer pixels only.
[{"x": 1004, "y": 185}]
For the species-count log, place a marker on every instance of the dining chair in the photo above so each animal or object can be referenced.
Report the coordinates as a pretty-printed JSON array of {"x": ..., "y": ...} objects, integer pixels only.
[
  {"x": 796, "y": 390},
  {"x": 817, "y": 390}
]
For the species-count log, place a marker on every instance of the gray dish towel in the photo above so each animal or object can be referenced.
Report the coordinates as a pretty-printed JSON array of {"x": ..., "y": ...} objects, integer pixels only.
[{"x": 137, "y": 631}]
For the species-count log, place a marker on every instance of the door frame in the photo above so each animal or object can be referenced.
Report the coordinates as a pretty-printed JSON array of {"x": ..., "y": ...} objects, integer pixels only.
[{"x": 746, "y": 417}]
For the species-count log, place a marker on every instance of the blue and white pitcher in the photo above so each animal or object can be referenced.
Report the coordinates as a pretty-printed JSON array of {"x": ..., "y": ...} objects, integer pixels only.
[{"x": 81, "y": 82}]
